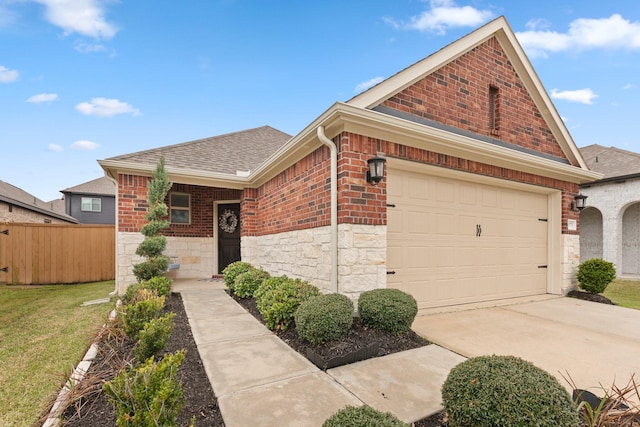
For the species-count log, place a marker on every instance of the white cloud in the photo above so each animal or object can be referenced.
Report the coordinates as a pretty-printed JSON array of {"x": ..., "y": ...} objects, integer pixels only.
[
  {"x": 43, "y": 97},
  {"x": 84, "y": 17},
  {"x": 583, "y": 96},
  {"x": 84, "y": 145},
  {"x": 369, "y": 83},
  {"x": 54, "y": 147},
  {"x": 103, "y": 107},
  {"x": 83, "y": 47},
  {"x": 629, "y": 86},
  {"x": 583, "y": 34},
  {"x": 7, "y": 75},
  {"x": 442, "y": 15}
]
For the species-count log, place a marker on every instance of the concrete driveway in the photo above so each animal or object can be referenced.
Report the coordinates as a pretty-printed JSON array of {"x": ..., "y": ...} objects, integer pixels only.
[{"x": 596, "y": 344}]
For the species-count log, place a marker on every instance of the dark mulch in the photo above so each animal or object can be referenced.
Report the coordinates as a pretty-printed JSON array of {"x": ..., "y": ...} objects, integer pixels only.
[{"x": 590, "y": 297}]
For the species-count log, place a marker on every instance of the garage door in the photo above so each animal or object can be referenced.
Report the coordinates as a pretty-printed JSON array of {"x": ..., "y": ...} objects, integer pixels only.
[{"x": 454, "y": 241}]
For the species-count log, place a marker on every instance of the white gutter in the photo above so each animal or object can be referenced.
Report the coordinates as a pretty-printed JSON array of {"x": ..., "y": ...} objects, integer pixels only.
[{"x": 334, "y": 207}]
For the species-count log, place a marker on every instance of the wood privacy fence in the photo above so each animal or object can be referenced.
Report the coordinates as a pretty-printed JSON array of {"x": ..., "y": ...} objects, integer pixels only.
[{"x": 56, "y": 253}]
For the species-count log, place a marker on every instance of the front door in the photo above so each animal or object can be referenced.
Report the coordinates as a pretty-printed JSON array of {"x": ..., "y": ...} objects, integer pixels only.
[{"x": 228, "y": 234}]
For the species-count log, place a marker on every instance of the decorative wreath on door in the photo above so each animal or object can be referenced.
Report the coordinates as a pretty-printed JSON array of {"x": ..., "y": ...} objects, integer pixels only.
[{"x": 228, "y": 221}]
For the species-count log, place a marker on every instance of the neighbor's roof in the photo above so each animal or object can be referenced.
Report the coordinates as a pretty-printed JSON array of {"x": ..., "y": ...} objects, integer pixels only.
[
  {"x": 18, "y": 197},
  {"x": 612, "y": 162},
  {"x": 228, "y": 154},
  {"x": 100, "y": 186}
]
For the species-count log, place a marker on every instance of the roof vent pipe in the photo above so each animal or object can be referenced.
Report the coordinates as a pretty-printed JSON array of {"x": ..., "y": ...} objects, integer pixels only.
[{"x": 334, "y": 206}]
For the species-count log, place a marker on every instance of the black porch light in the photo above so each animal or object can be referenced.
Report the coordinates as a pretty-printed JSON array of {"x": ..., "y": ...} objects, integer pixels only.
[
  {"x": 375, "y": 171},
  {"x": 580, "y": 203}
]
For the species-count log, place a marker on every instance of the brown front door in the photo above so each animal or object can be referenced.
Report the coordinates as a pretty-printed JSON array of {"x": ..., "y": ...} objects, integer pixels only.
[{"x": 228, "y": 234}]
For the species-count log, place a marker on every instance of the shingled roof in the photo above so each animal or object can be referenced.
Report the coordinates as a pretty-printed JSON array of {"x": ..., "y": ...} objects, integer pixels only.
[
  {"x": 229, "y": 153},
  {"x": 100, "y": 186},
  {"x": 18, "y": 197},
  {"x": 612, "y": 162}
]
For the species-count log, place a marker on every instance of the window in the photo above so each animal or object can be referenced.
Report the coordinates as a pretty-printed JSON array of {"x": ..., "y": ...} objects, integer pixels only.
[
  {"x": 91, "y": 204},
  {"x": 494, "y": 112},
  {"x": 180, "y": 208}
]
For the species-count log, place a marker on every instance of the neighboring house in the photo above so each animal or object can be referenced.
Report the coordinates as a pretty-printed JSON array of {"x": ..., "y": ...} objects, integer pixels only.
[
  {"x": 93, "y": 202},
  {"x": 610, "y": 223},
  {"x": 474, "y": 204},
  {"x": 16, "y": 205}
]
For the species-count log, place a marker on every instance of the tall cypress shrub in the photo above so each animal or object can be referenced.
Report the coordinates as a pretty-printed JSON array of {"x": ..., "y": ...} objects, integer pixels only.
[{"x": 154, "y": 243}]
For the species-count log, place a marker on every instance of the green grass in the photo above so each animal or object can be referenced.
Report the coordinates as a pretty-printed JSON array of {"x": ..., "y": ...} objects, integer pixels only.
[
  {"x": 43, "y": 334},
  {"x": 625, "y": 293}
]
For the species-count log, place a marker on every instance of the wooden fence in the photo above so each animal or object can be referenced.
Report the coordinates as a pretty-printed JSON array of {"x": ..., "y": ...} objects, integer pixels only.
[{"x": 56, "y": 253}]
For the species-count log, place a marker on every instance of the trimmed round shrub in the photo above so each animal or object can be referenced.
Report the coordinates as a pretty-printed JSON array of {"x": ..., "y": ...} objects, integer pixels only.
[
  {"x": 389, "y": 310},
  {"x": 278, "y": 298},
  {"x": 505, "y": 391},
  {"x": 594, "y": 275},
  {"x": 363, "y": 416},
  {"x": 137, "y": 314},
  {"x": 324, "y": 318},
  {"x": 248, "y": 282},
  {"x": 232, "y": 271},
  {"x": 154, "y": 336},
  {"x": 161, "y": 284}
]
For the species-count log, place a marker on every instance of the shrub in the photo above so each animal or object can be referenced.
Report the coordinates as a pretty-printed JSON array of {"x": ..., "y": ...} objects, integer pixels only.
[
  {"x": 154, "y": 336},
  {"x": 134, "y": 316},
  {"x": 389, "y": 310},
  {"x": 248, "y": 282},
  {"x": 278, "y": 298},
  {"x": 495, "y": 391},
  {"x": 151, "y": 268},
  {"x": 363, "y": 416},
  {"x": 131, "y": 294},
  {"x": 161, "y": 284},
  {"x": 232, "y": 271},
  {"x": 594, "y": 275},
  {"x": 149, "y": 395},
  {"x": 324, "y": 318}
]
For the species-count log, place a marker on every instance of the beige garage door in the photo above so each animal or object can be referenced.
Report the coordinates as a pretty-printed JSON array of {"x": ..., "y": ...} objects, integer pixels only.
[{"x": 454, "y": 242}]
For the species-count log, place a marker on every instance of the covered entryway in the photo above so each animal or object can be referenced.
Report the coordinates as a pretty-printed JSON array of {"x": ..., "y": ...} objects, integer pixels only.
[
  {"x": 590, "y": 234},
  {"x": 228, "y": 234},
  {"x": 462, "y": 239},
  {"x": 631, "y": 240}
]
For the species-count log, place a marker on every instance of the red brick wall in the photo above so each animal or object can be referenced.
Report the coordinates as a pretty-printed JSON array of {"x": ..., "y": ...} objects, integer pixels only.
[
  {"x": 133, "y": 206},
  {"x": 458, "y": 95}
]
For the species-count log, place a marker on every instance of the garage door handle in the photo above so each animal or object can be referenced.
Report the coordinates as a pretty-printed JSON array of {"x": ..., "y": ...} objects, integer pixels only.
[
  {"x": 542, "y": 266},
  {"x": 391, "y": 272}
]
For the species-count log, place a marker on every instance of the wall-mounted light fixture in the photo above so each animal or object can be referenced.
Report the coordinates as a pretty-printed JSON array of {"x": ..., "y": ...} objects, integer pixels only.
[
  {"x": 580, "y": 203},
  {"x": 375, "y": 173}
]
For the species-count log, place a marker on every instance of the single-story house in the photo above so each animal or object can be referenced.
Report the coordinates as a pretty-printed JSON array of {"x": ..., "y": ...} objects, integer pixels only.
[
  {"x": 17, "y": 205},
  {"x": 92, "y": 202},
  {"x": 475, "y": 201},
  {"x": 610, "y": 222}
]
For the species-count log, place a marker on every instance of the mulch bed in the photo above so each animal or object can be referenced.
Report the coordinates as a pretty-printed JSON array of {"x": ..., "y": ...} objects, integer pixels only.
[{"x": 590, "y": 297}]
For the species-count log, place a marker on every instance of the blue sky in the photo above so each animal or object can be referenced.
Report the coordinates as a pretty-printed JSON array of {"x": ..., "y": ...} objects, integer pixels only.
[{"x": 82, "y": 80}]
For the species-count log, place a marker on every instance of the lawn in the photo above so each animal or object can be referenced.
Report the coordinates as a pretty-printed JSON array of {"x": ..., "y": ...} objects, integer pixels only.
[
  {"x": 44, "y": 332},
  {"x": 625, "y": 293}
]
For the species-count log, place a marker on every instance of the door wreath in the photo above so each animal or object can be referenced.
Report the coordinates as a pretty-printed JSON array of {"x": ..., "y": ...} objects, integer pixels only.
[{"x": 228, "y": 221}]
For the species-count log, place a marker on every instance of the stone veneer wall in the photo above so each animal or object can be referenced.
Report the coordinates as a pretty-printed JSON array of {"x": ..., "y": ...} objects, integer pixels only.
[
  {"x": 194, "y": 254},
  {"x": 305, "y": 254},
  {"x": 570, "y": 261}
]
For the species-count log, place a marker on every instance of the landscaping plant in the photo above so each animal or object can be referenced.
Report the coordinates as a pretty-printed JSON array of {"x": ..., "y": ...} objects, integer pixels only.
[
  {"x": 389, "y": 310},
  {"x": 594, "y": 275},
  {"x": 160, "y": 284},
  {"x": 247, "y": 283},
  {"x": 149, "y": 395},
  {"x": 363, "y": 416},
  {"x": 154, "y": 336},
  {"x": 154, "y": 243},
  {"x": 135, "y": 315},
  {"x": 232, "y": 271},
  {"x": 505, "y": 391},
  {"x": 324, "y": 318},
  {"x": 278, "y": 298}
]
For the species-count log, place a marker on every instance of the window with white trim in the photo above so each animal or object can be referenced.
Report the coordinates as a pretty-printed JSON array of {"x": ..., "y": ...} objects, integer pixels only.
[
  {"x": 180, "y": 210},
  {"x": 91, "y": 204}
]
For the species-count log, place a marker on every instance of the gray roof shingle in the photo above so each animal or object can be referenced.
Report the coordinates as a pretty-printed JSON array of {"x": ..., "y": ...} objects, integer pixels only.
[
  {"x": 229, "y": 153},
  {"x": 100, "y": 186},
  {"x": 16, "y": 196},
  {"x": 611, "y": 161}
]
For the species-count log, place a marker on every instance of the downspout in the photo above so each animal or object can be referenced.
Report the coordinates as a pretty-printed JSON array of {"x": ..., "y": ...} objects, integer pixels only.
[{"x": 334, "y": 207}]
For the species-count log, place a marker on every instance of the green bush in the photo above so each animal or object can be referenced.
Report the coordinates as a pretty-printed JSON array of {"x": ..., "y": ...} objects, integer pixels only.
[
  {"x": 505, "y": 391},
  {"x": 135, "y": 315},
  {"x": 161, "y": 284},
  {"x": 389, "y": 310},
  {"x": 151, "y": 268},
  {"x": 154, "y": 336},
  {"x": 278, "y": 298},
  {"x": 324, "y": 318},
  {"x": 594, "y": 275},
  {"x": 248, "y": 282},
  {"x": 232, "y": 271},
  {"x": 131, "y": 294},
  {"x": 149, "y": 395},
  {"x": 363, "y": 416}
]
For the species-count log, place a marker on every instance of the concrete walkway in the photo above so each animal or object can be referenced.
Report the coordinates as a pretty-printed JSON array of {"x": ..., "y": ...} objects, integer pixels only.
[{"x": 257, "y": 377}]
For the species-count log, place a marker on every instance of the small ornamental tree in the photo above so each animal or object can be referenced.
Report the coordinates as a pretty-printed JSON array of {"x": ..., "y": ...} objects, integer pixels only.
[{"x": 154, "y": 243}]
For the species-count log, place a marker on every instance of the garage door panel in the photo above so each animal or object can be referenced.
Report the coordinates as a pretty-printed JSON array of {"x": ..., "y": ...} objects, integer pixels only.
[{"x": 437, "y": 253}]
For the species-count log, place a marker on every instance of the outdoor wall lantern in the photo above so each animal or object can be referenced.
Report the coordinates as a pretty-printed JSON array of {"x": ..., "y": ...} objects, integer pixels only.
[
  {"x": 580, "y": 203},
  {"x": 375, "y": 173}
]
